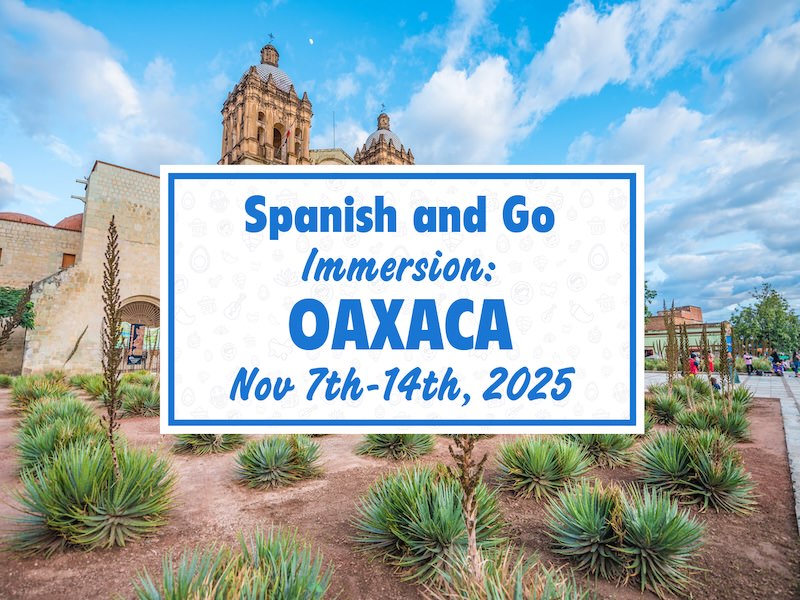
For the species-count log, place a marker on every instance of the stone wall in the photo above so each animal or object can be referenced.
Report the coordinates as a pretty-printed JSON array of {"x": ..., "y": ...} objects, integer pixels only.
[
  {"x": 32, "y": 252},
  {"x": 70, "y": 301},
  {"x": 11, "y": 353}
]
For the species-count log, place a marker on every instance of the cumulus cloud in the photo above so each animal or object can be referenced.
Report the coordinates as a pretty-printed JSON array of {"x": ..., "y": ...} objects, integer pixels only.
[
  {"x": 18, "y": 197},
  {"x": 461, "y": 117},
  {"x": 57, "y": 70},
  {"x": 6, "y": 184}
]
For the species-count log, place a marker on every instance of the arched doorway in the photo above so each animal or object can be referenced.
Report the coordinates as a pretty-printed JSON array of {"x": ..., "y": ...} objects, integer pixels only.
[{"x": 141, "y": 319}]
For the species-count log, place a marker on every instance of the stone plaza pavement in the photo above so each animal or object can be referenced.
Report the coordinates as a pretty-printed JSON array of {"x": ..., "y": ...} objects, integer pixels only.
[{"x": 787, "y": 390}]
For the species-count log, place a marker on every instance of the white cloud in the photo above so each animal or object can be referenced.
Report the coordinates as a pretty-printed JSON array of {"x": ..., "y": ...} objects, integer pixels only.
[
  {"x": 587, "y": 52},
  {"x": 60, "y": 75},
  {"x": 461, "y": 117},
  {"x": 20, "y": 198},
  {"x": 469, "y": 16},
  {"x": 6, "y": 184}
]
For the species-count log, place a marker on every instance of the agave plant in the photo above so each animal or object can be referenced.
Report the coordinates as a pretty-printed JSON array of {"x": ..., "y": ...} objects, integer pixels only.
[
  {"x": 35, "y": 445},
  {"x": 584, "y": 524},
  {"x": 742, "y": 398},
  {"x": 94, "y": 385},
  {"x": 27, "y": 389},
  {"x": 539, "y": 467},
  {"x": 207, "y": 443},
  {"x": 277, "y": 461},
  {"x": 396, "y": 446},
  {"x": 659, "y": 541},
  {"x": 665, "y": 407},
  {"x": 507, "y": 575},
  {"x": 413, "y": 519},
  {"x": 75, "y": 500},
  {"x": 49, "y": 410},
  {"x": 139, "y": 377},
  {"x": 606, "y": 449},
  {"x": 275, "y": 565},
  {"x": 718, "y": 414},
  {"x": 664, "y": 461},
  {"x": 139, "y": 400}
]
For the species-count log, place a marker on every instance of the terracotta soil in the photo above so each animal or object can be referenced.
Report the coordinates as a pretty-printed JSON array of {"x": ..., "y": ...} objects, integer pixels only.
[{"x": 755, "y": 556}]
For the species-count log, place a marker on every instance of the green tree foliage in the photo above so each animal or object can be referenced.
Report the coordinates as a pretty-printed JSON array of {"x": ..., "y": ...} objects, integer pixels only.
[
  {"x": 649, "y": 296},
  {"x": 769, "y": 318},
  {"x": 9, "y": 299}
]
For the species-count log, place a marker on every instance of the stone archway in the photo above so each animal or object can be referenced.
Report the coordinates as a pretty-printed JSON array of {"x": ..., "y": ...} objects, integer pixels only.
[{"x": 141, "y": 320}]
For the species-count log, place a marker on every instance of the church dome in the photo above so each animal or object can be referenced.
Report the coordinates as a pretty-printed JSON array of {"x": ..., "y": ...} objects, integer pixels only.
[
  {"x": 73, "y": 223},
  {"x": 383, "y": 130},
  {"x": 269, "y": 66},
  {"x": 21, "y": 218}
]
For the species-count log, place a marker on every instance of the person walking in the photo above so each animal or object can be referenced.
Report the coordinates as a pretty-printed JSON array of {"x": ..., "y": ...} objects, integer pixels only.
[
  {"x": 748, "y": 361},
  {"x": 796, "y": 363},
  {"x": 710, "y": 361}
]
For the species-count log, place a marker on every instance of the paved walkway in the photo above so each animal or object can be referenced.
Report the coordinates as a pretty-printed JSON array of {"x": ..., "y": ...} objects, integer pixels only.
[{"x": 787, "y": 390}]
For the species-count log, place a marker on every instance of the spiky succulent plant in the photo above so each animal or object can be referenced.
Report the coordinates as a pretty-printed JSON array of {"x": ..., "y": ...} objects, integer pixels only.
[
  {"x": 540, "y": 466},
  {"x": 413, "y": 520},
  {"x": 207, "y": 443},
  {"x": 74, "y": 499},
  {"x": 584, "y": 524},
  {"x": 278, "y": 460},
  {"x": 396, "y": 446},
  {"x": 606, "y": 449},
  {"x": 272, "y": 565}
]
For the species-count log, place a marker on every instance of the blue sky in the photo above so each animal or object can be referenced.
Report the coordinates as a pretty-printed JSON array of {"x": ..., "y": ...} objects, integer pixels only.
[{"x": 704, "y": 94}]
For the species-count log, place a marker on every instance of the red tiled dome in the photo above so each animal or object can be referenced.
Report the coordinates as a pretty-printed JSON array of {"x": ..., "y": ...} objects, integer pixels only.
[
  {"x": 72, "y": 223},
  {"x": 20, "y": 218}
]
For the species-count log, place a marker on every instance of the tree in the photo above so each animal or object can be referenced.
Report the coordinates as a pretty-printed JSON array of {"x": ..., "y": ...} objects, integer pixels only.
[
  {"x": 769, "y": 318},
  {"x": 16, "y": 309},
  {"x": 649, "y": 296}
]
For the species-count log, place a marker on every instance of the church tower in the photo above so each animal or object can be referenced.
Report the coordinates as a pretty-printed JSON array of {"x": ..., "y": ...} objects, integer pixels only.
[
  {"x": 264, "y": 122},
  {"x": 383, "y": 147}
]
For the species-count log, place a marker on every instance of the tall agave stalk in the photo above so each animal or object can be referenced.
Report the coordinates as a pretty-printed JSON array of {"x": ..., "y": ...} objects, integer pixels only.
[
  {"x": 724, "y": 363},
  {"x": 673, "y": 352},
  {"x": 112, "y": 329},
  {"x": 468, "y": 471},
  {"x": 705, "y": 349},
  {"x": 14, "y": 320},
  {"x": 683, "y": 349}
]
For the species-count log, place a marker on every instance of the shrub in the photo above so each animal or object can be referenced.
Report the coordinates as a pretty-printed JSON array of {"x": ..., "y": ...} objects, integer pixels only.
[
  {"x": 606, "y": 449},
  {"x": 742, "y": 398},
  {"x": 27, "y": 389},
  {"x": 53, "y": 424},
  {"x": 139, "y": 378},
  {"x": 277, "y": 461},
  {"x": 74, "y": 499},
  {"x": 660, "y": 540},
  {"x": 638, "y": 534},
  {"x": 139, "y": 400},
  {"x": 655, "y": 364},
  {"x": 665, "y": 407},
  {"x": 506, "y": 576},
  {"x": 395, "y": 445},
  {"x": 273, "y": 566},
  {"x": 540, "y": 466},
  {"x": 700, "y": 467},
  {"x": 6, "y": 381},
  {"x": 207, "y": 443},
  {"x": 413, "y": 519},
  {"x": 718, "y": 414},
  {"x": 584, "y": 524},
  {"x": 94, "y": 385},
  {"x": 664, "y": 461}
]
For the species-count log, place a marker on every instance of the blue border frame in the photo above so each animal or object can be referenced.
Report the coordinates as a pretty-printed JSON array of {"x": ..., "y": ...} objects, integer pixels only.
[{"x": 171, "y": 420}]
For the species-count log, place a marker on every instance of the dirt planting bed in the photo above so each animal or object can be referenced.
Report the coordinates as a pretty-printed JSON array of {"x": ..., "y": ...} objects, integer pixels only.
[{"x": 745, "y": 556}]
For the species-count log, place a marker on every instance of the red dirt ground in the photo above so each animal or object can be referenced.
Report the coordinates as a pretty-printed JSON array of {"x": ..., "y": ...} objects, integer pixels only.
[{"x": 755, "y": 556}]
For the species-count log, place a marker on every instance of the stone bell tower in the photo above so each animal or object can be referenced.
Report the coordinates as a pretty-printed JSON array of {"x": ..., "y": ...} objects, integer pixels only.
[
  {"x": 263, "y": 119},
  {"x": 383, "y": 147}
]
